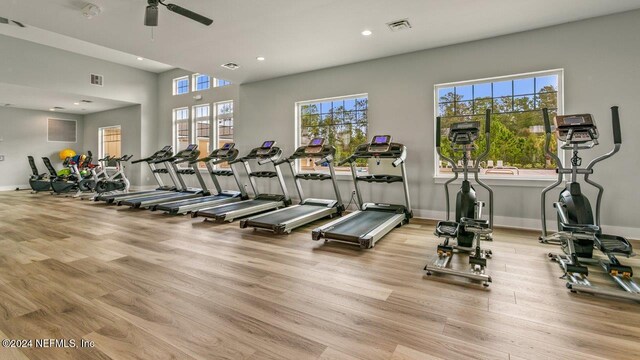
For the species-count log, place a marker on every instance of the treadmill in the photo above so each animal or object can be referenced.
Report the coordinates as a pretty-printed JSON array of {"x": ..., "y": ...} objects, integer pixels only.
[
  {"x": 226, "y": 153},
  {"x": 284, "y": 220},
  {"x": 165, "y": 152},
  {"x": 182, "y": 192},
  {"x": 266, "y": 153},
  {"x": 372, "y": 221}
]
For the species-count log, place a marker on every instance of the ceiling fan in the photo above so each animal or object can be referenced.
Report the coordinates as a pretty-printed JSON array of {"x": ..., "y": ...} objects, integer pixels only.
[
  {"x": 151, "y": 13},
  {"x": 10, "y": 22}
]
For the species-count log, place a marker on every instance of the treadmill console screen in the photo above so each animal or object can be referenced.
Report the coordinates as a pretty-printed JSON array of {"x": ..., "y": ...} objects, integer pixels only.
[
  {"x": 166, "y": 148},
  {"x": 228, "y": 146},
  {"x": 191, "y": 147},
  {"x": 315, "y": 146},
  {"x": 380, "y": 143},
  {"x": 268, "y": 144}
]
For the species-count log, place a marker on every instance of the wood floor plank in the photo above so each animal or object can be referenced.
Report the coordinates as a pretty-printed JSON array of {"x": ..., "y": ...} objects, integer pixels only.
[{"x": 144, "y": 285}]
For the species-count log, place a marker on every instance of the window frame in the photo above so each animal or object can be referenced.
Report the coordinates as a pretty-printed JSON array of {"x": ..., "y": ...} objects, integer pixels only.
[
  {"x": 194, "y": 131},
  {"x": 101, "y": 146},
  {"x": 214, "y": 121},
  {"x": 497, "y": 179},
  {"x": 174, "y": 120},
  {"x": 194, "y": 82},
  {"x": 175, "y": 85},
  {"x": 298, "y": 125},
  {"x": 216, "y": 82}
]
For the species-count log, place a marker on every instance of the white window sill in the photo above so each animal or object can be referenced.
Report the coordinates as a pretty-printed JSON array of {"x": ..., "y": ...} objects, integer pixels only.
[{"x": 502, "y": 181}]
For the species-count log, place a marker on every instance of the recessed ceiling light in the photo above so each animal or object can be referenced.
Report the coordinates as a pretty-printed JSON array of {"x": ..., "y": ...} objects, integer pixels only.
[
  {"x": 366, "y": 33},
  {"x": 76, "y": 103},
  {"x": 52, "y": 109},
  {"x": 260, "y": 58},
  {"x": 140, "y": 58}
]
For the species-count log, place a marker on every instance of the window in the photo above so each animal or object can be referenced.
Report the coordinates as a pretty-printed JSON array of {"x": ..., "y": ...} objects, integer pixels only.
[
  {"x": 181, "y": 85},
  {"x": 202, "y": 129},
  {"x": 224, "y": 119},
  {"x": 220, "y": 82},
  {"x": 517, "y": 129},
  {"x": 342, "y": 121},
  {"x": 201, "y": 82},
  {"x": 109, "y": 143},
  {"x": 181, "y": 136}
]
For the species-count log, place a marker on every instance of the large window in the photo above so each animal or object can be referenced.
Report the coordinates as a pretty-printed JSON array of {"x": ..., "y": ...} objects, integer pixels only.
[
  {"x": 109, "y": 143},
  {"x": 181, "y": 85},
  {"x": 220, "y": 82},
  {"x": 342, "y": 121},
  {"x": 181, "y": 136},
  {"x": 201, "y": 82},
  {"x": 517, "y": 131},
  {"x": 224, "y": 120},
  {"x": 202, "y": 129}
]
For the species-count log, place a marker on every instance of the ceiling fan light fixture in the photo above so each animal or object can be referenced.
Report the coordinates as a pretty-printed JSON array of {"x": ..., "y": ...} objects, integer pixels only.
[{"x": 151, "y": 13}]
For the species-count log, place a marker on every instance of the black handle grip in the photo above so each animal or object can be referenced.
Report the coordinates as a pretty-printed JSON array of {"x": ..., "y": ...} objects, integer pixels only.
[
  {"x": 617, "y": 134},
  {"x": 487, "y": 121},
  {"x": 547, "y": 123},
  {"x": 438, "y": 131},
  {"x": 137, "y": 161}
]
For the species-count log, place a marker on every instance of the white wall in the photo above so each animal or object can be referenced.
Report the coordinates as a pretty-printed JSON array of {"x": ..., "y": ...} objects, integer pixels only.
[
  {"x": 39, "y": 66},
  {"x": 24, "y": 132},
  {"x": 129, "y": 120},
  {"x": 601, "y": 62}
]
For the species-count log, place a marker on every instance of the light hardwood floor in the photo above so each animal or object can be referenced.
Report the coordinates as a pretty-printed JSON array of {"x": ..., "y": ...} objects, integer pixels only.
[{"x": 143, "y": 285}]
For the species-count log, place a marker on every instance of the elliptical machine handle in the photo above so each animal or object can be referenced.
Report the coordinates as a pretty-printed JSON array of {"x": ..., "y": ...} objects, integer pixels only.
[
  {"x": 438, "y": 131},
  {"x": 617, "y": 134},
  {"x": 547, "y": 123},
  {"x": 487, "y": 122}
]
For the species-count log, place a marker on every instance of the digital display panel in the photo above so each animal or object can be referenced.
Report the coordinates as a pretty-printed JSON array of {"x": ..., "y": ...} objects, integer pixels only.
[
  {"x": 381, "y": 140},
  {"x": 191, "y": 147},
  {"x": 268, "y": 144},
  {"x": 227, "y": 146},
  {"x": 316, "y": 142},
  {"x": 574, "y": 120}
]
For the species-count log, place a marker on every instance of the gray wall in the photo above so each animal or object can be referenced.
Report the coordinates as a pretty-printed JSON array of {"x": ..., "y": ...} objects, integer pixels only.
[
  {"x": 600, "y": 58},
  {"x": 24, "y": 132},
  {"x": 129, "y": 120},
  {"x": 39, "y": 66}
]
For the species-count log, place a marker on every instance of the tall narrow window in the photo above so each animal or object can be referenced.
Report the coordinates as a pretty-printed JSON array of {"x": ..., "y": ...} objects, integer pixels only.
[
  {"x": 110, "y": 143},
  {"x": 202, "y": 129},
  {"x": 181, "y": 85},
  {"x": 181, "y": 136},
  {"x": 201, "y": 82},
  {"x": 517, "y": 131},
  {"x": 224, "y": 120},
  {"x": 342, "y": 121}
]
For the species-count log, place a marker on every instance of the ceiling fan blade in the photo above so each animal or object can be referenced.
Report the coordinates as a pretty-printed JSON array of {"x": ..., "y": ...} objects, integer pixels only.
[
  {"x": 18, "y": 23},
  {"x": 190, "y": 14}
]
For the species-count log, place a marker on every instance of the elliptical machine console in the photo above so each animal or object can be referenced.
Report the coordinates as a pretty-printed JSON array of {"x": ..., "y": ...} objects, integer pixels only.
[
  {"x": 579, "y": 232},
  {"x": 468, "y": 227}
]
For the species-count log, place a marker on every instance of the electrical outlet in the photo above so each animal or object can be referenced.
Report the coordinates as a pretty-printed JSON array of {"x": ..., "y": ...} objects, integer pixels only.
[{"x": 1, "y": 157}]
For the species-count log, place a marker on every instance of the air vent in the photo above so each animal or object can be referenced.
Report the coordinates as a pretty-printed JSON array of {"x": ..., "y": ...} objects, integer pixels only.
[
  {"x": 399, "y": 25},
  {"x": 231, "y": 66},
  {"x": 58, "y": 108},
  {"x": 86, "y": 101},
  {"x": 96, "y": 79},
  {"x": 11, "y": 22},
  {"x": 7, "y": 105}
]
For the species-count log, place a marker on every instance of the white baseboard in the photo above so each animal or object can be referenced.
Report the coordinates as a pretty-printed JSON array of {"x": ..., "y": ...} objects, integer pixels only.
[{"x": 13, "y": 187}]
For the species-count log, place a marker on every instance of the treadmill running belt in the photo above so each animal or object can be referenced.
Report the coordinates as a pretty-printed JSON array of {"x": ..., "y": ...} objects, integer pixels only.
[
  {"x": 358, "y": 225},
  {"x": 223, "y": 209},
  {"x": 195, "y": 201},
  {"x": 286, "y": 215},
  {"x": 166, "y": 197}
]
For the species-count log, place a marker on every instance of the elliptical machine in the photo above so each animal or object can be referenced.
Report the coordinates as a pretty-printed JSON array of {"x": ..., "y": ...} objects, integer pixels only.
[
  {"x": 578, "y": 231},
  {"x": 469, "y": 229}
]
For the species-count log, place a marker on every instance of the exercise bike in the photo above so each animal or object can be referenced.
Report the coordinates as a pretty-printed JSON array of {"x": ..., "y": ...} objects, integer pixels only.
[
  {"x": 116, "y": 182},
  {"x": 38, "y": 182},
  {"x": 61, "y": 183},
  {"x": 469, "y": 229},
  {"x": 578, "y": 231}
]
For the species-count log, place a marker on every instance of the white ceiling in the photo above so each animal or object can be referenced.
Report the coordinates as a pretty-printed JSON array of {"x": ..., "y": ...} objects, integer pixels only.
[
  {"x": 295, "y": 35},
  {"x": 40, "y": 99}
]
